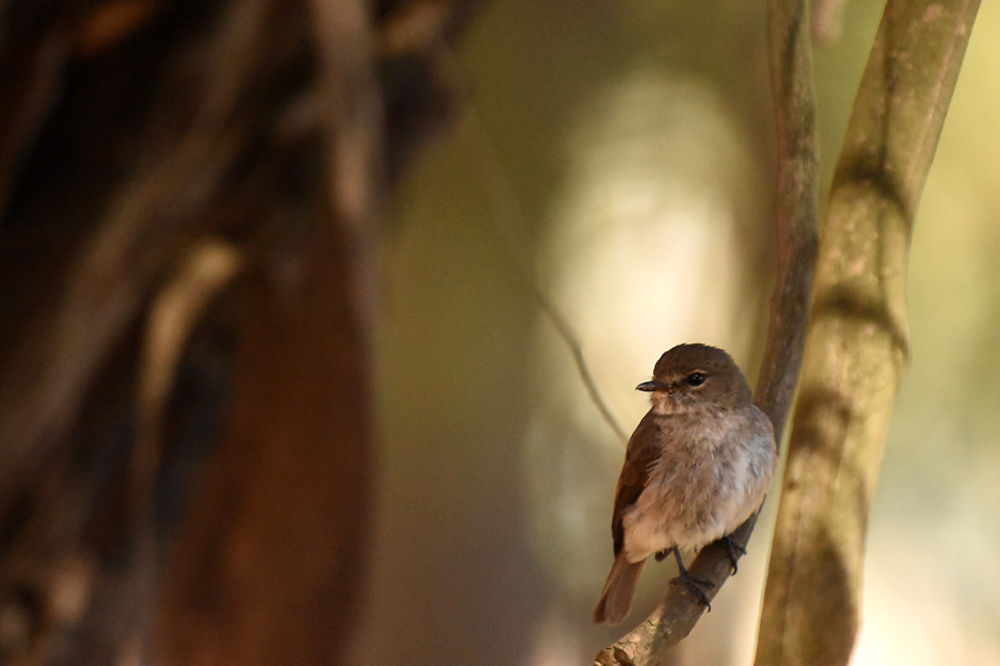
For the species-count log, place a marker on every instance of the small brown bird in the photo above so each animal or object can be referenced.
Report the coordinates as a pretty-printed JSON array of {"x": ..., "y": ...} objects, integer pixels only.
[{"x": 695, "y": 468}]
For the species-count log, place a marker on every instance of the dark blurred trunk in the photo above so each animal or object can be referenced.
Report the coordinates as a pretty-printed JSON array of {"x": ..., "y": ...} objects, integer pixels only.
[{"x": 188, "y": 211}]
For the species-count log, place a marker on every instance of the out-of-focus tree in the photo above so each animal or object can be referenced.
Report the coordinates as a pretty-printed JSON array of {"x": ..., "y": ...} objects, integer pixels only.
[{"x": 189, "y": 201}]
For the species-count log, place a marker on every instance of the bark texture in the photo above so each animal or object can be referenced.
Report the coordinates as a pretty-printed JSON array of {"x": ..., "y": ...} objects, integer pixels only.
[{"x": 856, "y": 349}]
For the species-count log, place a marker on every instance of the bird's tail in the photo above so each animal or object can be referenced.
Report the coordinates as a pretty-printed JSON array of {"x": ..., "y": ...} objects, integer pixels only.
[{"x": 616, "y": 598}]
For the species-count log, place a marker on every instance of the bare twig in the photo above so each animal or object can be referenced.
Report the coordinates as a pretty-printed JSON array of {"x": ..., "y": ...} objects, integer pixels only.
[
  {"x": 795, "y": 230},
  {"x": 857, "y": 345},
  {"x": 508, "y": 218}
]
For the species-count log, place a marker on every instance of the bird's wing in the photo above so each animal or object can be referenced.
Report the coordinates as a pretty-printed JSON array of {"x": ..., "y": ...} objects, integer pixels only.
[{"x": 640, "y": 456}]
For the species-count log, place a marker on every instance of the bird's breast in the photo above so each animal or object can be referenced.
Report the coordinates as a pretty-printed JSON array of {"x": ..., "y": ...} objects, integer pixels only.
[{"x": 707, "y": 480}]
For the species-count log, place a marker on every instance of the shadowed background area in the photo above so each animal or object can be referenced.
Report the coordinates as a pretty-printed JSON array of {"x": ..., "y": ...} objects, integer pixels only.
[{"x": 276, "y": 385}]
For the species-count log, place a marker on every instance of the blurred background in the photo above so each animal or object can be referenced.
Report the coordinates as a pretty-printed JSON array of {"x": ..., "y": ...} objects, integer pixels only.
[
  {"x": 215, "y": 268},
  {"x": 617, "y": 157}
]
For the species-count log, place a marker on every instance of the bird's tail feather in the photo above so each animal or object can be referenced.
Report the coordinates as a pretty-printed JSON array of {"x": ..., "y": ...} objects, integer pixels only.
[{"x": 616, "y": 597}]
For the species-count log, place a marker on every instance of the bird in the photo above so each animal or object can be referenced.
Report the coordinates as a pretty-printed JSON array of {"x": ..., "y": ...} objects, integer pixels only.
[{"x": 697, "y": 465}]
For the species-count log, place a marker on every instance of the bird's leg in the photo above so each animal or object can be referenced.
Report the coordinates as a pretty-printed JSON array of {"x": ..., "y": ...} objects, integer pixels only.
[
  {"x": 733, "y": 550},
  {"x": 696, "y": 585}
]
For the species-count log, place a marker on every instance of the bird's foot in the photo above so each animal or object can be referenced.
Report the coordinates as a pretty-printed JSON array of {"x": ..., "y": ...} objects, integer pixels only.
[
  {"x": 733, "y": 550},
  {"x": 696, "y": 585}
]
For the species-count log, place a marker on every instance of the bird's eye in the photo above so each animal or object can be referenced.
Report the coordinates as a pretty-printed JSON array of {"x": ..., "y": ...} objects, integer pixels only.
[{"x": 696, "y": 379}]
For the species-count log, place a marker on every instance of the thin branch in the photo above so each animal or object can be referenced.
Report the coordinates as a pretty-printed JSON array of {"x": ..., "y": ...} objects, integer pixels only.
[
  {"x": 572, "y": 343},
  {"x": 857, "y": 346},
  {"x": 507, "y": 217},
  {"x": 790, "y": 63},
  {"x": 795, "y": 231}
]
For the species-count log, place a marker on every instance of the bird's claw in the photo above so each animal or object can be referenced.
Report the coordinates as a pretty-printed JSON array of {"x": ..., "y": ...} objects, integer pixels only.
[
  {"x": 696, "y": 585},
  {"x": 733, "y": 550}
]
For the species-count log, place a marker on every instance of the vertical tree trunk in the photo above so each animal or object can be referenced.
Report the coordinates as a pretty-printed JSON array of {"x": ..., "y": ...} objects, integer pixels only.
[{"x": 856, "y": 347}]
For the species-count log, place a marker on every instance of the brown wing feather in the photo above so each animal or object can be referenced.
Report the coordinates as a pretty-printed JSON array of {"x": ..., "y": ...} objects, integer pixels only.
[{"x": 640, "y": 455}]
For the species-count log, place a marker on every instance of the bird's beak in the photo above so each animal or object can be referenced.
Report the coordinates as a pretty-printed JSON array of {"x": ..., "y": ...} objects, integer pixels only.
[{"x": 652, "y": 385}]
